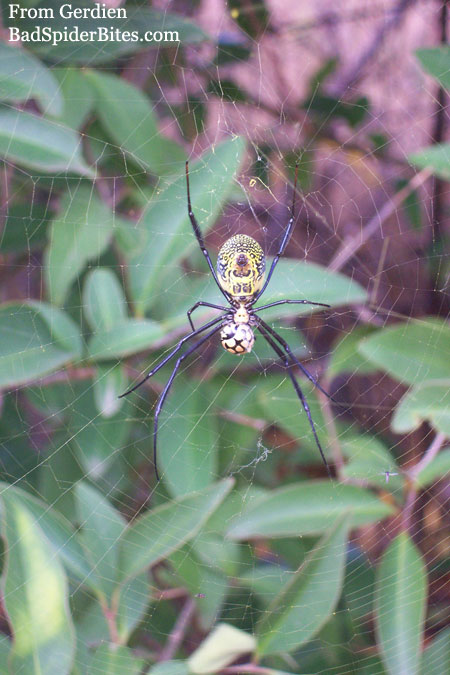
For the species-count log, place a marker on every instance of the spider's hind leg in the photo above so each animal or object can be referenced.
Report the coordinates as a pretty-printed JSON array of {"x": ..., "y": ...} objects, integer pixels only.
[{"x": 298, "y": 391}]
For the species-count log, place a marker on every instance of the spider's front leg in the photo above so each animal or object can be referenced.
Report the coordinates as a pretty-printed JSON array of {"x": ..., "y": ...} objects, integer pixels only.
[{"x": 203, "y": 304}]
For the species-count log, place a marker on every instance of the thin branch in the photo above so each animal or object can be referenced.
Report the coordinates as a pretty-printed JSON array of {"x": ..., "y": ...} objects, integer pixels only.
[
  {"x": 356, "y": 72},
  {"x": 412, "y": 474},
  {"x": 353, "y": 243},
  {"x": 179, "y": 630}
]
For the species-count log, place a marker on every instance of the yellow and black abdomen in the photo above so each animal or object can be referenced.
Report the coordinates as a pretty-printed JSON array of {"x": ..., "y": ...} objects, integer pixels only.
[{"x": 240, "y": 267}]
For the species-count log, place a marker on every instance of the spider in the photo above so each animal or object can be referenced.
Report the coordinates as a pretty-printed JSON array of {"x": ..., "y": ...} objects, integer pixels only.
[{"x": 240, "y": 279}]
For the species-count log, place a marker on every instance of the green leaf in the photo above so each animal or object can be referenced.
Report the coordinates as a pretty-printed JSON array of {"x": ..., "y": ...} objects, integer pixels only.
[
  {"x": 112, "y": 659},
  {"x": 436, "y": 61},
  {"x": 134, "y": 126},
  {"x": 138, "y": 19},
  {"x": 308, "y": 508},
  {"x": 109, "y": 383},
  {"x": 411, "y": 352},
  {"x": 35, "y": 595},
  {"x": 281, "y": 406},
  {"x": 35, "y": 339},
  {"x": 170, "y": 668},
  {"x": 162, "y": 530},
  {"x": 81, "y": 232},
  {"x": 23, "y": 77},
  {"x": 370, "y": 460},
  {"x": 428, "y": 402},
  {"x": 439, "y": 467},
  {"x": 345, "y": 357},
  {"x": 103, "y": 299},
  {"x": 134, "y": 599},
  {"x": 38, "y": 143},
  {"x": 289, "y": 621},
  {"x": 101, "y": 527},
  {"x": 400, "y": 606},
  {"x": 223, "y": 646},
  {"x": 436, "y": 657},
  {"x": 78, "y": 96},
  {"x": 25, "y": 227},
  {"x": 124, "y": 339},
  {"x": 188, "y": 437},
  {"x": 436, "y": 157},
  {"x": 211, "y": 179}
]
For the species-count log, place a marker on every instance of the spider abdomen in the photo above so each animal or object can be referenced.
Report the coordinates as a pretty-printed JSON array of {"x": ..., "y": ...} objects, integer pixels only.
[
  {"x": 240, "y": 266},
  {"x": 237, "y": 338}
]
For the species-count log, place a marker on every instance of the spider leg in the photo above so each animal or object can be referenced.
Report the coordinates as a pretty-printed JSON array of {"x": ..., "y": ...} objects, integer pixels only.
[
  {"x": 285, "y": 239},
  {"x": 203, "y": 304},
  {"x": 172, "y": 353},
  {"x": 291, "y": 302},
  {"x": 292, "y": 356},
  {"x": 199, "y": 236},
  {"x": 299, "y": 392},
  {"x": 166, "y": 390}
]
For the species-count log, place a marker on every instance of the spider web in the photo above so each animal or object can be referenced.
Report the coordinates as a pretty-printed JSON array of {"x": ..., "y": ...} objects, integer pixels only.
[{"x": 289, "y": 87}]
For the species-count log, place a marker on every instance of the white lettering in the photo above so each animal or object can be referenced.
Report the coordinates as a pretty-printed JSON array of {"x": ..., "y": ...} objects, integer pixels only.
[{"x": 14, "y": 34}]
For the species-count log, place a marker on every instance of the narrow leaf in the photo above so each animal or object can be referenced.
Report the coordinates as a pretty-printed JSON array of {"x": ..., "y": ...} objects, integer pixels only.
[
  {"x": 223, "y": 645},
  {"x": 35, "y": 595},
  {"x": 101, "y": 527},
  {"x": 24, "y": 77},
  {"x": 306, "y": 509},
  {"x": 103, "y": 299},
  {"x": 159, "y": 532},
  {"x": 309, "y": 597},
  {"x": 134, "y": 127},
  {"x": 128, "y": 337},
  {"x": 411, "y": 352},
  {"x": 400, "y": 606},
  {"x": 80, "y": 233},
  {"x": 37, "y": 143},
  {"x": 211, "y": 179},
  {"x": 35, "y": 339}
]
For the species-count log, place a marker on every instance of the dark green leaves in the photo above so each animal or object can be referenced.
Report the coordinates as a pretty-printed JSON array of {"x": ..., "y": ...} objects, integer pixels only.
[
  {"x": 35, "y": 338},
  {"x": 308, "y": 508},
  {"x": 134, "y": 126},
  {"x": 308, "y": 598},
  {"x": 156, "y": 534},
  {"x": 115, "y": 335},
  {"x": 80, "y": 233},
  {"x": 38, "y": 144},
  {"x": 411, "y": 352},
  {"x": 23, "y": 77},
  {"x": 400, "y": 606},
  {"x": 167, "y": 230}
]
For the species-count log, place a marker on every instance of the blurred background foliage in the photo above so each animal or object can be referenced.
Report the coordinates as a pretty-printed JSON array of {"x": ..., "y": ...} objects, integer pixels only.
[{"x": 244, "y": 558}]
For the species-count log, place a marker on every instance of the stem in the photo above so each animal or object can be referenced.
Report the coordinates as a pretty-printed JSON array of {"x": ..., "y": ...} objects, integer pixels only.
[
  {"x": 248, "y": 668},
  {"x": 177, "y": 635},
  {"x": 411, "y": 497}
]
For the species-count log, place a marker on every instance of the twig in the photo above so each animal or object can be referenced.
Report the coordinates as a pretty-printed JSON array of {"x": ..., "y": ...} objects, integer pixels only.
[
  {"x": 357, "y": 71},
  {"x": 411, "y": 497},
  {"x": 252, "y": 668},
  {"x": 351, "y": 244},
  {"x": 252, "y": 422},
  {"x": 176, "y": 636}
]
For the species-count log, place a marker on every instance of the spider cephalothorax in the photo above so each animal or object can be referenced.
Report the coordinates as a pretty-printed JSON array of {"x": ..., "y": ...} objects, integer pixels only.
[
  {"x": 240, "y": 267},
  {"x": 240, "y": 278}
]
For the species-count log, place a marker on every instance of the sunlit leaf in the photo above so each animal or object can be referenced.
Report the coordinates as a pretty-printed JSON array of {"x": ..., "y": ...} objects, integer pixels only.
[
  {"x": 35, "y": 594},
  {"x": 223, "y": 645},
  {"x": 39, "y": 144},
  {"x": 24, "y": 77}
]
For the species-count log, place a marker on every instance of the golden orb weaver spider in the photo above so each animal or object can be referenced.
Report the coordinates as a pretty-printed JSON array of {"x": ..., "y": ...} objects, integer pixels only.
[{"x": 240, "y": 278}]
